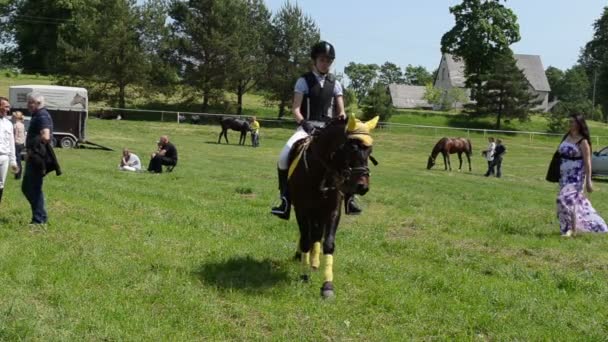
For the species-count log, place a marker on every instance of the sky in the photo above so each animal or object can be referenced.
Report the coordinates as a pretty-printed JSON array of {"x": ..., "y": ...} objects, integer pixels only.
[{"x": 409, "y": 31}]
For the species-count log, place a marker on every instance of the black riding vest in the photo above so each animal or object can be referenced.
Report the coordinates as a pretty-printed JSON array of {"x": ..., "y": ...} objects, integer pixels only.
[{"x": 317, "y": 104}]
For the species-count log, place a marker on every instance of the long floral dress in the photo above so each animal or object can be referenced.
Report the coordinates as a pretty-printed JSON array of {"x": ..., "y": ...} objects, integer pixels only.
[{"x": 571, "y": 201}]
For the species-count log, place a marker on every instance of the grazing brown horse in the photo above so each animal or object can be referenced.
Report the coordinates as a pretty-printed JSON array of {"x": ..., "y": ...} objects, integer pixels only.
[
  {"x": 447, "y": 146},
  {"x": 235, "y": 125},
  {"x": 324, "y": 167}
]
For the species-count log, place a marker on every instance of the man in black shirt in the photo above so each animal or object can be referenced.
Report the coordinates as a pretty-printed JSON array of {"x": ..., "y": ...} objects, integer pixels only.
[
  {"x": 499, "y": 153},
  {"x": 166, "y": 155}
]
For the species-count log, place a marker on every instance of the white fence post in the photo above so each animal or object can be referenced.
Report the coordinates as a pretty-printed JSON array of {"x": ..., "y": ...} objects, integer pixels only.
[
  {"x": 162, "y": 116},
  {"x": 177, "y": 117}
]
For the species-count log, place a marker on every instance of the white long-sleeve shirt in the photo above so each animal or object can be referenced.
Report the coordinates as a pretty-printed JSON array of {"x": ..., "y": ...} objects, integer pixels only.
[{"x": 7, "y": 140}]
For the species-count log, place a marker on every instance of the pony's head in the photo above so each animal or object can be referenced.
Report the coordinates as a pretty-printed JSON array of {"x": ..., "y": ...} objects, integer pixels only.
[
  {"x": 349, "y": 154},
  {"x": 430, "y": 163}
]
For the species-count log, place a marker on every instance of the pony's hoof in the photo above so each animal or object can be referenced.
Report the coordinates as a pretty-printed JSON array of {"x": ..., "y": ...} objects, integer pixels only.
[
  {"x": 327, "y": 291},
  {"x": 304, "y": 278}
]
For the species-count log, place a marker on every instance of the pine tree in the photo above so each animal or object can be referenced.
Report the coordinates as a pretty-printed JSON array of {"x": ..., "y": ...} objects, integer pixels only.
[{"x": 505, "y": 92}]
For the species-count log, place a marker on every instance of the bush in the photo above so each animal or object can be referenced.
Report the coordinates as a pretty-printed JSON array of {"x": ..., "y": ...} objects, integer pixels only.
[
  {"x": 378, "y": 102},
  {"x": 558, "y": 117}
]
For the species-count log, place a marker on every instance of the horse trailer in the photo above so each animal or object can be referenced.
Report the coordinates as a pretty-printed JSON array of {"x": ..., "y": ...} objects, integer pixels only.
[{"x": 68, "y": 107}]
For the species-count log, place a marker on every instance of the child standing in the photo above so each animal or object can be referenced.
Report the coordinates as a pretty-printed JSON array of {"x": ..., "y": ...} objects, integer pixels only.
[
  {"x": 499, "y": 153},
  {"x": 489, "y": 155},
  {"x": 255, "y": 131}
]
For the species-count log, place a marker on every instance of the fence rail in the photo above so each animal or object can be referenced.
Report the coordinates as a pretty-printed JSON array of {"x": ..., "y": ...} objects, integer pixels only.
[{"x": 180, "y": 117}]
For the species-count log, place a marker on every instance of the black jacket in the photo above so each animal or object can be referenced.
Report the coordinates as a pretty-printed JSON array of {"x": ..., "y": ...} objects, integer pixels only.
[{"x": 43, "y": 159}]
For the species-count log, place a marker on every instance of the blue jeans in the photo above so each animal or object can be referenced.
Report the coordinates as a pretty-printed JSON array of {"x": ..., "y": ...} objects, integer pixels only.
[{"x": 32, "y": 189}]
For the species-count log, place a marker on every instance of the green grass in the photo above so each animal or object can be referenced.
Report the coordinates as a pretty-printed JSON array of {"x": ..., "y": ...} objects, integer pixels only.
[{"x": 195, "y": 255}]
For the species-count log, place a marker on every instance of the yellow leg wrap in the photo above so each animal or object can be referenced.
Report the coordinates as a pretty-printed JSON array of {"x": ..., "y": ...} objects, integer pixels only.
[
  {"x": 329, "y": 268},
  {"x": 305, "y": 263},
  {"x": 315, "y": 260}
]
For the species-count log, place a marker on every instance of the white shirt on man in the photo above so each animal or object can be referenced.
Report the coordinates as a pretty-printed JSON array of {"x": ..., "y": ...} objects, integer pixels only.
[{"x": 7, "y": 140}]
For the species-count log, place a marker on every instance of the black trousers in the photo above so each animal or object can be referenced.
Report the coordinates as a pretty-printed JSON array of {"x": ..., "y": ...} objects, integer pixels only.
[
  {"x": 156, "y": 163},
  {"x": 498, "y": 165},
  {"x": 490, "y": 168},
  {"x": 18, "y": 149}
]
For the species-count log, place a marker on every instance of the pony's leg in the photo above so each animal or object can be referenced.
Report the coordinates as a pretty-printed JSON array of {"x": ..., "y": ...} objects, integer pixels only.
[
  {"x": 469, "y": 162},
  {"x": 449, "y": 162},
  {"x": 315, "y": 258},
  {"x": 329, "y": 246},
  {"x": 460, "y": 159},
  {"x": 305, "y": 245},
  {"x": 219, "y": 140},
  {"x": 226, "y": 136},
  {"x": 445, "y": 161}
]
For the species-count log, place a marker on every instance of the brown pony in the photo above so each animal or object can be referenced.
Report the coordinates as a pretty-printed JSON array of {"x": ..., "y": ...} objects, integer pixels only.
[
  {"x": 324, "y": 167},
  {"x": 447, "y": 146}
]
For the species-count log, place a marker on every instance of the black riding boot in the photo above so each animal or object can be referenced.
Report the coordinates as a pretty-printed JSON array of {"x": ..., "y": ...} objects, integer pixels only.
[
  {"x": 284, "y": 209},
  {"x": 350, "y": 205},
  {"x": 1, "y": 191}
]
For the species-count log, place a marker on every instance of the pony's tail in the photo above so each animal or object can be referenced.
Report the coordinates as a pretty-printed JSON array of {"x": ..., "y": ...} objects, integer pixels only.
[{"x": 470, "y": 147}]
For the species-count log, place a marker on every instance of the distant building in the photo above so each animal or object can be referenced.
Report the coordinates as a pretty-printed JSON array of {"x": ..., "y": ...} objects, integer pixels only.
[
  {"x": 408, "y": 96},
  {"x": 451, "y": 74}
]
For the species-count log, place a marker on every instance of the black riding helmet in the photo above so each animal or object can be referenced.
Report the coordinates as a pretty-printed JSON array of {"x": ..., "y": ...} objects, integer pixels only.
[{"x": 323, "y": 48}]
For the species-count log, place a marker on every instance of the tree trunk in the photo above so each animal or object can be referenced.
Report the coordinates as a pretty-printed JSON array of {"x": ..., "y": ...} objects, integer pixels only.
[
  {"x": 240, "y": 91},
  {"x": 121, "y": 99},
  {"x": 282, "y": 109},
  {"x": 205, "y": 100}
]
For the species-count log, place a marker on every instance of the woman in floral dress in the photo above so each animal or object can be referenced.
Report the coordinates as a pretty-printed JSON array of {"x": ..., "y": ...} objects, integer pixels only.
[{"x": 574, "y": 210}]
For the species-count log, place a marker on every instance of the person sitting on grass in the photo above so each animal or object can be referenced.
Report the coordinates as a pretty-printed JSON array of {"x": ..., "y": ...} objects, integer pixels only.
[
  {"x": 129, "y": 161},
  {"x": 165, "y": 155},
  {"x": 255, "y": 131}
]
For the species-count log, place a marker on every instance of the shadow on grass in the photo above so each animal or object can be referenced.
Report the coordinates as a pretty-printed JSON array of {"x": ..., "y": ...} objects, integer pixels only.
[
  {"x": 224, "y": 144},
  {"x": 243, "y": 274}
]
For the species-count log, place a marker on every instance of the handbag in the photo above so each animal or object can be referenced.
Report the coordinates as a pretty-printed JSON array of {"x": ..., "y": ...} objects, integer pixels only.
[{"x": 554, "y": 165}]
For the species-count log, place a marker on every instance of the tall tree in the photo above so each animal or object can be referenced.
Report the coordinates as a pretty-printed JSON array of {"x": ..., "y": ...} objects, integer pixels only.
[
  {"x": 594, "y": 57},
  {"x": 505, "y": 92},
  {"x": 204, "y": 31},
  {"x": 574, "y": 85},
  {"x": 293, "y": 33},
  {"x": 483, "y": 31},
  {"x": 378, "y": 102},
  {"x": 362, "y": 78},
  {"x": 103, "y": 46},
  {"x": 390, "y": 73},
  {"x": 555, "y": 77},
  {"x": 249, "y": 48},
  {"x": 418, "y": 75},
  {"x": 33, "y": 26}
]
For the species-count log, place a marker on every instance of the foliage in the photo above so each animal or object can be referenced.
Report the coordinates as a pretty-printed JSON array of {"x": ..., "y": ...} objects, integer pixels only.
[
  {"x": 390, "y": 73},
  {"x": 453, "y": 97},
  {"x": 417, "y": 75},
  {"x": 293, "y": 33},
  {"x": 378, "y": 102},
  {"x": 433, "y": 95},
  {"x": 483, "y": 32},
  {"x": 362, "y": 78},
  {"x": 117, "y": 58},
  {"x": 505, "y": 93},
  {"x": 555, "y": 77},
  {"x": 594, "y": 57}
]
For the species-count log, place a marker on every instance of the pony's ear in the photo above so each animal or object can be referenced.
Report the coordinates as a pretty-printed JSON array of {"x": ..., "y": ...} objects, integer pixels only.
[
  {"x": 352, "y": 123},
  {"x": 371, "y": 124}
]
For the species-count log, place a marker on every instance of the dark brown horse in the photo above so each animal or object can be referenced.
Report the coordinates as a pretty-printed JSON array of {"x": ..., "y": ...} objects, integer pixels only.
[
  {"x": 234, "y": 124},
  {"x": 447, "y": 146},
  {"x": 323, "y": 168}
]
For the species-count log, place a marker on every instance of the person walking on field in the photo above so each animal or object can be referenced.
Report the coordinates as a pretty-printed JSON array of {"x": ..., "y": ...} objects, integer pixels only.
[
  {"x": 318, "y": 97},
  {"x": 40, "y": 158},
  {"x": 574, "y": 210},
  {"x": 7, "y": 144},
  {"x": 19, "y": 129},
  {"x": 489, "y": 155},
  {"x": 499, "y": 154}
]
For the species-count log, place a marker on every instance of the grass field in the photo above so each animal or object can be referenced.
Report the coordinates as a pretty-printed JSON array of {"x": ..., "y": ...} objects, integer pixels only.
[{"x": 191, "y": 256}]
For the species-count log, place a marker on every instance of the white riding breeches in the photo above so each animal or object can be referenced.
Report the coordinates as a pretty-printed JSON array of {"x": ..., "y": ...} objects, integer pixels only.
[
  {"x": 284, "y": 156},
  {"x": 4, "y": 164}
]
